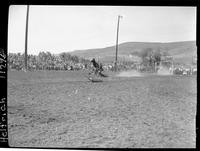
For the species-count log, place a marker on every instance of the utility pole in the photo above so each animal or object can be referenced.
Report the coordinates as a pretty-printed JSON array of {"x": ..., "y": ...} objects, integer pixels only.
[
  {"x": 117, "y": 42},
  {"x": 172, "y": 66},
  {"x": 26, "y": 39}
]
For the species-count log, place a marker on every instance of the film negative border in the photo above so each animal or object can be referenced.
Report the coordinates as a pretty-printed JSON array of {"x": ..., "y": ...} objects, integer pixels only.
[
  {"x": 3, "y": 44},
  {"x": 3, "y": 75},
  {"x": 3, "y": 100}
]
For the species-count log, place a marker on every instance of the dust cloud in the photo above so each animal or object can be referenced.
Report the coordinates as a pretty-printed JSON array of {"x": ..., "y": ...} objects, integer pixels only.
[
  {"x": 163, "y": 71},
  {"x": 132, "y": 73}
]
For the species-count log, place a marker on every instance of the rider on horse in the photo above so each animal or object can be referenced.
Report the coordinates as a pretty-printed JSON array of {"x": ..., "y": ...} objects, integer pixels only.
[{"x": 97, "y": 67}]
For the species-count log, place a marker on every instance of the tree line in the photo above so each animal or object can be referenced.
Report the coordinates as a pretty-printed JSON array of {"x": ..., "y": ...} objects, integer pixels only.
[
  {"x": 151, "y": 58},
  {"x": 46, "y": 61},
  {"x": 150, "y": 61}
]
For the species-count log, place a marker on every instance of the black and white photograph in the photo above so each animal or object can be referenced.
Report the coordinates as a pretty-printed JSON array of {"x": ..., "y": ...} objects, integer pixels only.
[{"x": 97, "y": 76}]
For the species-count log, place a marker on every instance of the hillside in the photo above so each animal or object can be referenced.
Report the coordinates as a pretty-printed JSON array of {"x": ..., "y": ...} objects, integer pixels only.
[{"x": 181, "y": 51}]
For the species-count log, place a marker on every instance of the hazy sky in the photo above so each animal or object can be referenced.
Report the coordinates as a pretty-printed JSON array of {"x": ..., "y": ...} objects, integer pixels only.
[{"x": 67, "y": 28}]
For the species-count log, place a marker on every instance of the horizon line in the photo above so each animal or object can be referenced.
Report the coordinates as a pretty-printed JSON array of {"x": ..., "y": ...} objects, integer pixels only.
[{"x": 71, "y": 51}]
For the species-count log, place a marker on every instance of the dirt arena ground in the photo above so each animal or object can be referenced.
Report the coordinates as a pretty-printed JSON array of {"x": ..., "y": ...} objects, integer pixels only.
[{"x": 62, "y": 109}]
